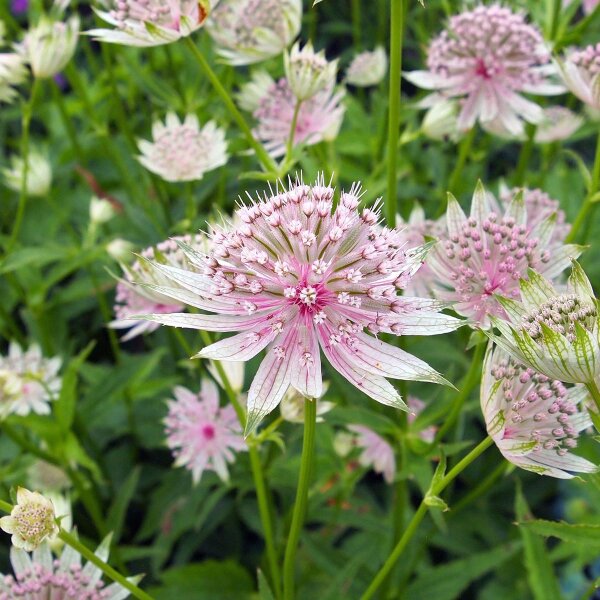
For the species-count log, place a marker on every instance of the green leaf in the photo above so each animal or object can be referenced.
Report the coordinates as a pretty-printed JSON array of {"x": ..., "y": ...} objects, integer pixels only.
[
  {"x": 264, "y": 591},
  {"x": 116, "y": 514},
  {"x": 576, "y": 534},
  {"x": 33, "y": 257},
  {"x": 209, "y": 580},
  {"x": 540, "y": 571}
]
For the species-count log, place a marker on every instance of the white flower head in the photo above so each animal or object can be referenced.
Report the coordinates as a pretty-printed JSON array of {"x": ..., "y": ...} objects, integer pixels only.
[
  {"x": 308, "y": 72},
  {"x": 580, "y": 71},
  {"x": 556, "y": 334},
  {"x": 559, "y": 123},
  {"x": 181, "y": 150},
  {"x": 50, "y": 45},
  {"x": 367, "y": 68},
  {"x": 441, "y": 121},
  {"x": 31, "y": 521},
  {"x": 120, "y": 250},
  {"x": 250, "y": 31},
  {"x": 292, "y": 405},
  {"x": 152, "y": 22},
  {"x": 39, "y": 174},
  {"x": 12, "y": 73},
  {"x": 253, "y": 91},
  {"x": 101, "y": 210}
]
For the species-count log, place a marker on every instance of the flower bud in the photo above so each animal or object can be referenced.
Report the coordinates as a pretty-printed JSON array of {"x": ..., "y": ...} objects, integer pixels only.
[
  {"x": 308, "y": 72},
  {"x": 120, "y": 250},
  {"x": 101, "y": 210},
  {"x": 367, "y": 68}
]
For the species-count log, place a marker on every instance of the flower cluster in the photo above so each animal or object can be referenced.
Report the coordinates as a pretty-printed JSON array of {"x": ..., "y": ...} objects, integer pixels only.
[
  {"x": 201, "y": 435},
  {"x": 301, "y": 276},
  {"x": 181, "y": 150},
  {"x": 367, "y": 68},
  {"x": 250, "y": 31},
  {"x": 535, "y": 421},
  {"x": 581, "y": 73},
  {"x": 487, "y": 57},
  {"x": 308, "y": 72},
  {"x": 12, "y": 73},
  {"x": 39, "y": 174},
  {"x": 28, "y": 381}
]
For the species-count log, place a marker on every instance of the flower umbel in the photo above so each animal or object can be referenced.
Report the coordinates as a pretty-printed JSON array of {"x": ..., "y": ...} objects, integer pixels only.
[
  {"x": 308, "y": 72},
  {"x": 31, "y": 521},
  {"x": 249, "y": 31},
  {"x": 535, "y": 421},
  {"x": 12, "y": 73},
  {"x": 181, "y": 150},
  {"x": 201, "y": 435},
  {"x": 483, "y": 256},
  {"x": 488, "y": 56},
  {"x": 39, "y": 174},
  {"x": 367, "y": 68},
  {"x": 298, "y": 276},
  {"x": 580, "y": 70},
  {"x": 152, "y": 22}
]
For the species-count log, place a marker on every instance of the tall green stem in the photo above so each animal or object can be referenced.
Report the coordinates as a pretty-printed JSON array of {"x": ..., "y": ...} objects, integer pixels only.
[
  {"x": 266, "y": 161},
  {"x": 26, "y": 122},
  {"x": 308, "y": 447},
  {"x": 396, "y": 33},
  {"x": 595, "y": 393},
  {"x": 292, "y": 135},
  {"x": 464, "y": 150},
  {"x": 555, "y": 19},
  {"x": 356, "y": 23},
  {"x": 588, "y": 203},
  {"x": 420, "y": 513},
  {"x": 525, "y": 155}
]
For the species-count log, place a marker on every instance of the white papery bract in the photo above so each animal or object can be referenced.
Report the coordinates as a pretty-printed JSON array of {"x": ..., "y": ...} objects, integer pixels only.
[
  {"x": 50, "y": 45},
  {"x": 559, "y": 123},
  {"x": 39, "y": 174},
  {"x": 28, "y": 381},
  {"x": 580, "y": 70},
  {"x": 40, "y": 576},
  {"x": 483, "y": 256},
  {"x": 554, "y": 333},
  {"x": 534, "y": 421},
  {"x": 152, "y": 22},
  {"x": 299, "y": 276},
  {"x": 367, "y": 68},
  {"x": 12, "y": 73},
  {"x": 250, "y": 31},
  {"x": 487, "y": 57},
  {"x": 441, "y": 120},
  {"x": 308, "y": 72},
  {"x": 182, "y": 150}
]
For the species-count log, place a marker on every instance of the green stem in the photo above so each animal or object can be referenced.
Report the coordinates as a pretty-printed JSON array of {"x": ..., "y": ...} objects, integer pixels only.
[
  {"x": 594, "y": 392},
  {"x": 467, "y": 385},
  {"x": 290, "y": 140},
  {"x": 421, "y": 512},
  {"x": 481, "y": 488},
  {"x": 356, "y": 23},
  {"x": 463, "y": 153},
  {"x": 555, "y": 19},
  {"x": 26, "y": 122},
  {"x": 525, "y": 155},
  {"x": 266, "y": 161},
  {"x": 67, "y": 122},
  {"x": 588, "y": 203},
  {"x": 308, "y": 446},
  {"x": 396, "y": 33}
]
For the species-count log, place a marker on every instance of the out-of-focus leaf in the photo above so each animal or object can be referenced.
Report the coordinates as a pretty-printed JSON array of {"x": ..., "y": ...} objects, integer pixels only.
[
  {"x": 33, "y": 257},
  {"x": 576, "y": 534},
  {"x": 264, "y": 591},
  {"x": 118, "y": 509}
]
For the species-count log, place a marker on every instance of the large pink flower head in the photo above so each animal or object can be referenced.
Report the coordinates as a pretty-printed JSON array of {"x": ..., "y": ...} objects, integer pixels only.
[
  {"x": 581, "y": 73},
  {"x": 202, "y": 436},
  {"x": 485, "y": 255},
  {"x": 39, "y": 576},
  {"x": 535, "y": 421},
  {"x": 299, "y": 276},
  {"x": 319, "y": 117},
  {"x": 488, "y": 56},
  {"x": 131, "y": 300}
]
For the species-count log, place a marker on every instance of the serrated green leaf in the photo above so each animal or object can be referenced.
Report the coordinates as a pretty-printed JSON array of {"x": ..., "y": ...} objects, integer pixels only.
[{"x": 576, "y": 534}]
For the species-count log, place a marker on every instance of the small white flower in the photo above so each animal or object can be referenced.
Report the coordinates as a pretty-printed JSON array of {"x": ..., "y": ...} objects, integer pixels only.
[
  {"x": 367, "y": 68},
  {"x": 101, "y": 210},
  {"x": 181, "y": 150},
  {"x": 252, "y": 92},
  {"x": 31, "y": 521},
  {"x": 559, "y": 123},
  {"x": 247, "y": 31},
  {"x": 12, "y": 73},
  {"x": 50, "y": 45},
  {"x": 39, "y": 174},
  {"x": 308, "y": 72},
  {"x": 441, "y": 121},
  {"x": 120, "y": 250},
  {"x": 580, "y": 71},
  {"x": 292, "y": 405}
]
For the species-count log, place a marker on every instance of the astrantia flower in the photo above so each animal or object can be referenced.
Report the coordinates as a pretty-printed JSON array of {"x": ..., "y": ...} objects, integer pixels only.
[
  {"x": 249, "y": 31},
  {"x": 488, "y": 56},
  {"x": 39, "y": 174},
  {"x": 31, "y": 521},
  {"x": 441, "y": 120},
  {"x": 28, "y": 381},
  {"x": 152, "y": 22},
  {"x": 308, "y": 72},
  {"x": 534, "y": 420},
  {"x": 580, "y": 70},
  {"x": 40, "y": 576},
  {"x": 50, "y": 45},
  {"x": 483, "y": 256},
  {"x": 319, "y": 117},
  {"x": 182, "y": 151},
  {"x": 417, "y": 406},
  {"x": 292, "y": 405},
  {"x": 202, "y": 436},
  {"x": 557, "y": 334},
  {"x": 376, "y": 452},
  {"x": 367, "y": 68},
  {"x": 559, "y": 123},
  {"x": 132, "y": 300},
  {"x": 300, "y": 276},
  {"x": 12, "y": 73}
]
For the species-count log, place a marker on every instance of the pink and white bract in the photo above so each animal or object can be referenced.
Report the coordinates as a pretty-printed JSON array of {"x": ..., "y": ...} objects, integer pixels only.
[
  {"x": 376, "y": 452},
  {"x": 39, "y": 576},
  {"x": 299, "y": 276},
  {"x": 488, "y": 56},
  {"x": 201, "y": 435},
  {"x": 534, "y": 420},
  {"x": 152, "y": 22},
  {"x": 486, "y": 254},
  {"x": 580, "y": 71}
]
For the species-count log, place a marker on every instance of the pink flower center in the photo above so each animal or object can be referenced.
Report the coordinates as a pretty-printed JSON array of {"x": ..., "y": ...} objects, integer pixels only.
[
  {"x": 481, "y": 69},
  {"x": 208, "y": 431}
]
